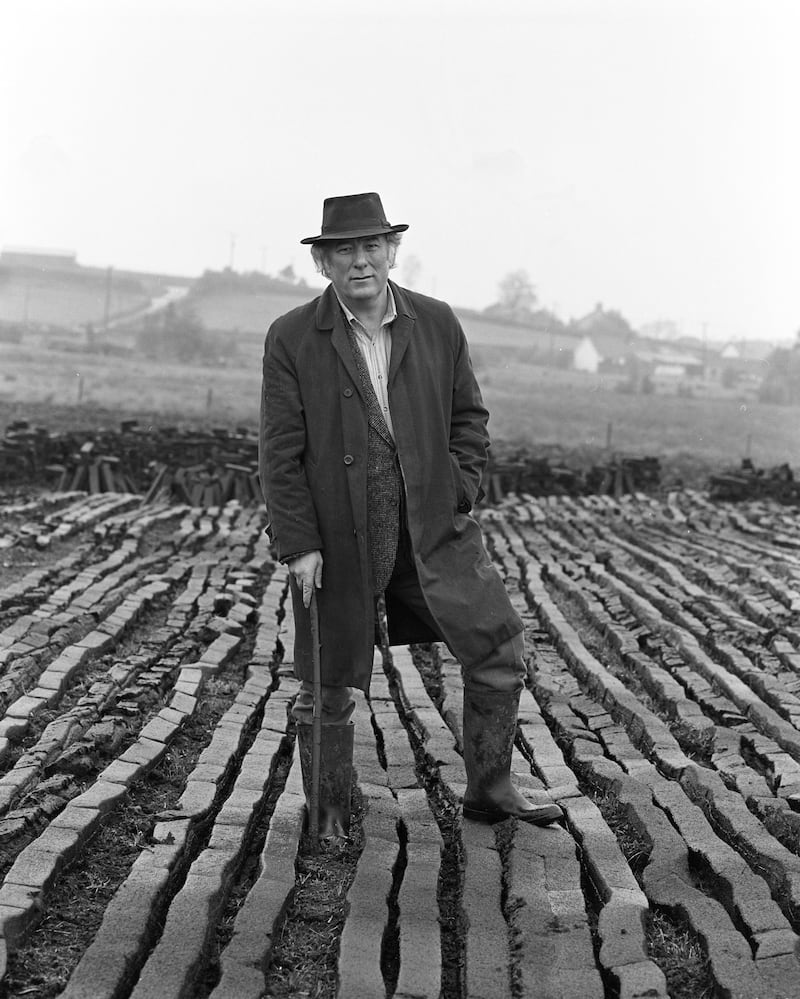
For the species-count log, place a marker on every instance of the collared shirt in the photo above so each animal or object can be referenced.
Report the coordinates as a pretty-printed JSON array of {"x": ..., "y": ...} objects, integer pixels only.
[{"x": 377, "y": 351}]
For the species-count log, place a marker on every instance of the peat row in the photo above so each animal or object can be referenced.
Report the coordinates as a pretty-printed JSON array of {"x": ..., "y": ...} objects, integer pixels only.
[
  {"x": 588, "y": 704},
  {"x": 152, "y": 817}
]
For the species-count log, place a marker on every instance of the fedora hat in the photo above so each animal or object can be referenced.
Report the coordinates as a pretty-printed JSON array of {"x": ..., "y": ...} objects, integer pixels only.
[{"x": 352, "y": 215}]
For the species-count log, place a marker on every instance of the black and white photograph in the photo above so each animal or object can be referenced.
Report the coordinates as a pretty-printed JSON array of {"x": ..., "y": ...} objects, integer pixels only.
[{"x": 399, "y": 499}]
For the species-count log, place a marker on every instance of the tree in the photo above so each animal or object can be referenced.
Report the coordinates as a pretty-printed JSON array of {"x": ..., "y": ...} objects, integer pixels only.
[
  {"x": 174, "y": 334},
  {"x": 516, "y": 296}
]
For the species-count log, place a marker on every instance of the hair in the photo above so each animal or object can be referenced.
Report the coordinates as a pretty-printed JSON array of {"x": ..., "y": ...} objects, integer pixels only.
[{"x": 319, "y": 250}]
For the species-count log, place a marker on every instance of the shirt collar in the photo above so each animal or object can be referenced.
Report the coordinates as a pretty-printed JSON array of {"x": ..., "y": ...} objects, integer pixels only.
[{"x": 389, "y": 315}]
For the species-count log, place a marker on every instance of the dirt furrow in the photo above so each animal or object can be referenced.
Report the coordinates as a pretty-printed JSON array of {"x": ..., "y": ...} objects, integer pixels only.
[{"x": 153, "y": 837}]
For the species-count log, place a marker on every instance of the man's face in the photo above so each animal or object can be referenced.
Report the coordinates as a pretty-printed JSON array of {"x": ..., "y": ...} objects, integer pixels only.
[{"x": 359, "y": 268}]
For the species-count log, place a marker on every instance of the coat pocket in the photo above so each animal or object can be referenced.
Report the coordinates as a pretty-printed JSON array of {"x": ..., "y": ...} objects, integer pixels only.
[{"x": 462, "y": 504}]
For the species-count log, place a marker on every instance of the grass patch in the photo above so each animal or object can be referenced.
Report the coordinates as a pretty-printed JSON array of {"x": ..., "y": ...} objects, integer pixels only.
[
  {"x": 426, "y": 659},
  {"x": 75, "y": 907},
  {"x": 635, "y": 847},
  {"x": 671, "y": 942},
  {"x": 697, "y": 744},
  {"x": 676, "y": 949},
  {"x": 305, "y": 957},
  {"x": 530, "y": 405}
]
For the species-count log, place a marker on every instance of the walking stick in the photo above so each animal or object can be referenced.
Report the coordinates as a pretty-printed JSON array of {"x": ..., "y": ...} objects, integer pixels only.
[{"x": 316, "y": 723}]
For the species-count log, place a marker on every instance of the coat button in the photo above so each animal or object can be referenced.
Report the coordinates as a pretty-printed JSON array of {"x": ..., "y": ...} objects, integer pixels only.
[
  {"x": 348, "y": 392},
  {"x": 348, "y": 459}
]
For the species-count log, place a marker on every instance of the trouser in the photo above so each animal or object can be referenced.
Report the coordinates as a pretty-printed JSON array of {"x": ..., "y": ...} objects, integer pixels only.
[{"x": 502, "y": 670}]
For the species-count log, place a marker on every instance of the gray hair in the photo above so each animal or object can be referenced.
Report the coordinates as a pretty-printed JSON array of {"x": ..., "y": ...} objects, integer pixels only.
[{"x": 319, "y": 251}]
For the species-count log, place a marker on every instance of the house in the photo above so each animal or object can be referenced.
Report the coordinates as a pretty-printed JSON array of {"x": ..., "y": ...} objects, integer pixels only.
[
  {"x": 586, "y": 357},
  {"x": 747, "y": 350},
  {"x": 744, "y": 364},
  {"x": 40, "y": 260},
  {"x": 611, "y": 335},
  {"x": 662, "y": 367}
]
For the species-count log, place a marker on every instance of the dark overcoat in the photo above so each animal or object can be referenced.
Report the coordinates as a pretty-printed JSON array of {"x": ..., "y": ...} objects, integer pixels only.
[{"x": 312, "y": 458}]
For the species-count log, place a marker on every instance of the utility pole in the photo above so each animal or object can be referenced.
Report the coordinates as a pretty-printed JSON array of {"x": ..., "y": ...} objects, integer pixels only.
[
  {"x": 233, "y": 250},
  {"x": 263, "y": 260},
  {"x": 705, "y": 349},
  {"x": 107, "y": 305}
]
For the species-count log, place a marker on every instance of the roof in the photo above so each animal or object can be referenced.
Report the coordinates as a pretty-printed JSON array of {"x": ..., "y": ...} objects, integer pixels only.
[
  {"x": 609, "y": 330},
  {"x": 22, "y": 256},
  {"x": 668, "y": 357},
  {"x": 748, "y": 350}
]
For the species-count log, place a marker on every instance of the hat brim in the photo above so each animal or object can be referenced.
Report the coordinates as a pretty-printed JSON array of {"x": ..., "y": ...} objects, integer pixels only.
[{"x": 353, "y": 234}]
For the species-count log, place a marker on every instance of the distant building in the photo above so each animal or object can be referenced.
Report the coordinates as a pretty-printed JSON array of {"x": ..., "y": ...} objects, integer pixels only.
[
  {"x": 747, "y": 350},
  {"x": 660, "y": 329},
  {"x": 745, "y": 363},
  {"x": 660, "y": 366},
  {"x": 586, "y": 357},
  {"x": 44, "y": 260},
  {"x": 610, "y": 333}
]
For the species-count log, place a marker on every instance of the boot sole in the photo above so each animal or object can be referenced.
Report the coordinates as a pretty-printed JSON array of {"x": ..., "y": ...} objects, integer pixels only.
[{"x": 537, "y": 817}]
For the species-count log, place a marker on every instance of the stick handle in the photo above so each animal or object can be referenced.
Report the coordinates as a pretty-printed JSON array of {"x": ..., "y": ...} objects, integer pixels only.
[{"x": 316, "y": 722}]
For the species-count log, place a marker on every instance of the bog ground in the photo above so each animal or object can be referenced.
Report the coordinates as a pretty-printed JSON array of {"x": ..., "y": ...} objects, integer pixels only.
[{"x": 151, "y": 809}]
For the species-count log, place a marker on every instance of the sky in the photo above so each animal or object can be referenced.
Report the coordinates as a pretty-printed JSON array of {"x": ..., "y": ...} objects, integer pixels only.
[{"x": 642, "y": 154}]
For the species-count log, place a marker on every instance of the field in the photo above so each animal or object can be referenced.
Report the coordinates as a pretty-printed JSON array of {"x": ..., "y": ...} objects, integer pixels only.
[
  {"x": 540, "y": 407},
  {"x": 583, "y": 413},
  {"x": 151, "y": 807},
  {"x": 152, "y": 839}
]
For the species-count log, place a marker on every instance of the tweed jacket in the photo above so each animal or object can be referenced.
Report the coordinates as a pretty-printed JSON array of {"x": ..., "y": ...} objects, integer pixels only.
[
  {"x": 384, "y": 483},
  {"x": 313, "y": 453}
]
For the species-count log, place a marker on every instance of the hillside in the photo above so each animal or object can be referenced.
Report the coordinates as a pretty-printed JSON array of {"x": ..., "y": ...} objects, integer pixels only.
[
  {"x": 243, "y": 307},
  {"x": 39, "y": 291},
  {"x": 247, "y": 304},
  {"x": 33, "y": 298},
  {"x": 53, "y": 303},
  {"x": 244, "y": 303}
]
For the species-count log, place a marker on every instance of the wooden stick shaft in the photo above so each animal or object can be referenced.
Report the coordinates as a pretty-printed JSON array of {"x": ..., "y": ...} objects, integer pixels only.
[{"x": 316, "y": 740}]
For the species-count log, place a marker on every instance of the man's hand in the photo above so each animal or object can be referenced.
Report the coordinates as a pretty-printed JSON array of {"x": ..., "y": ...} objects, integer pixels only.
[{"x": 306, "y": 570}]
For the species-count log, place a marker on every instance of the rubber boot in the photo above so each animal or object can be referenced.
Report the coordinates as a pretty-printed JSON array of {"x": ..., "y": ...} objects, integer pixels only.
[
  {"x": 490, "y": 726},
  {"x": 335, "y": 776}
]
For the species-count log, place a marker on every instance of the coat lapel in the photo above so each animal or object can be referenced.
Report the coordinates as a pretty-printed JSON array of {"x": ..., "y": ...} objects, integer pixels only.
[
  {"x": 402, "y": 328},
  {"x": 329, "y": 317}
]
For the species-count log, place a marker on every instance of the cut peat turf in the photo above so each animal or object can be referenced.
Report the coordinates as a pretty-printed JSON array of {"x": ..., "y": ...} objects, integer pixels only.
[
  {"x": 75, "y": 907},
  {"x": 76, "y": 904},
  {"x": 305, "y": 958}
]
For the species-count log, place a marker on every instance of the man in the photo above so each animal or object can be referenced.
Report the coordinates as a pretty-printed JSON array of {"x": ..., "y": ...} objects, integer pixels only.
[{"x": 372, "y": 448}]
